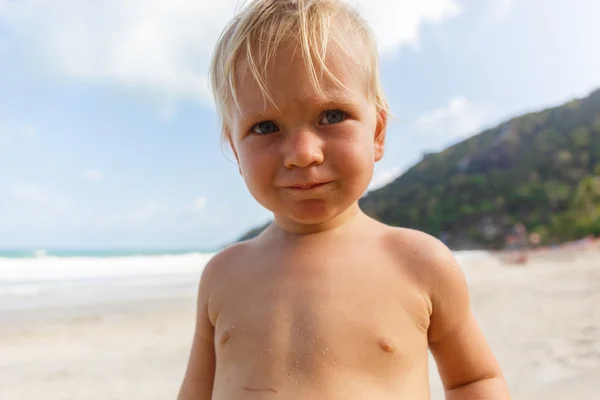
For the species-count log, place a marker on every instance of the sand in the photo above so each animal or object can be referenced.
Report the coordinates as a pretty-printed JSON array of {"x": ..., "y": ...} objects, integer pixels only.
[{"x": 542, "y": 321}]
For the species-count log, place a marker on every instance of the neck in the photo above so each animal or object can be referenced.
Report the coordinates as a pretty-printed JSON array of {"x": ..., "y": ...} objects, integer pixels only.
[{"x": 347, "y": 217}]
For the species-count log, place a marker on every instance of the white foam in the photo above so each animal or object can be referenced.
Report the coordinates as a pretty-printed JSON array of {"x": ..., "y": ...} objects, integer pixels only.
[
  {"x": 69, "y": 269},
  {"x": 50, "y": 281}
]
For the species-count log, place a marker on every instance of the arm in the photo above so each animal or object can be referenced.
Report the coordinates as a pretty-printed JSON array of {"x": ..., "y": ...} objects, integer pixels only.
[
  {"x": 198, "y": 380},
  {"x": 466, "y": 364}
]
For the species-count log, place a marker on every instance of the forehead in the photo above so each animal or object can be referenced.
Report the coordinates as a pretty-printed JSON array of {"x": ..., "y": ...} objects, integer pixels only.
[{"x": 287, "y": 79}]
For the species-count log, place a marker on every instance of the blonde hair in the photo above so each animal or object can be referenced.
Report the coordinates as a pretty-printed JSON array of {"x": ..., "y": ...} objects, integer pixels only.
[{"x": 253, "y": 36}]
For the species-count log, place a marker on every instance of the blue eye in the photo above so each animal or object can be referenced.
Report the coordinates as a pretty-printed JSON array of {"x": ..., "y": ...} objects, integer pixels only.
[
  {"x": 265, "y": 127},
  {"x": 332, "y": 117}
]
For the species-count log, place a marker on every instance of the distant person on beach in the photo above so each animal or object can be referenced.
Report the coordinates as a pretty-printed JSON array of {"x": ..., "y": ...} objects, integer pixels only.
[
  {"x": 517, "y": 244},
  {"x": 326, "y": 303}
]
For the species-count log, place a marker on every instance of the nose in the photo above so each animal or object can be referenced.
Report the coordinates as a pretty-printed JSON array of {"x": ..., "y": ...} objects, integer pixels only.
[{"x": 302, "y": 148}]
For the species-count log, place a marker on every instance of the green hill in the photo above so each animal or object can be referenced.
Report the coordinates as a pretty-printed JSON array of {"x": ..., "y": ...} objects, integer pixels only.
[{"x": 541, "y": 169}]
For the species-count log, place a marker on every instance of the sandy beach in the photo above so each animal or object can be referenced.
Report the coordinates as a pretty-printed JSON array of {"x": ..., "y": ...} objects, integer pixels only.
[{"x": 542, "y": 320}]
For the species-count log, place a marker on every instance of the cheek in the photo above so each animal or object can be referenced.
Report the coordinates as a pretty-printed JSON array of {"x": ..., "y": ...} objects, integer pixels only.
[
  {"x": 355, "y": 165},
  {"x": 355, "y": 155},
  {"x": 256, "y": 165}
]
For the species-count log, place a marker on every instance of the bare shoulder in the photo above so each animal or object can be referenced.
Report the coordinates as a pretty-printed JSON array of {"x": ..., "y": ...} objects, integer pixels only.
[
  {"x": 433, "y": 266},
  {"x": 219, "y": 272},
  {"x": 223, "y": 262},
  {"x": 424, "y": 254}
]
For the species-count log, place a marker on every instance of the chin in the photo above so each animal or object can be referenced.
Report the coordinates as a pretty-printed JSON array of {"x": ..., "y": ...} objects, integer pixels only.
[
  {"x": 313, "y": 212},
  {"x": 310, "y": 212}
]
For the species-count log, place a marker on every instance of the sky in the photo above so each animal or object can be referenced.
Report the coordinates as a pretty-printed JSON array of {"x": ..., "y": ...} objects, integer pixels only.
[{"x": 109, "y": 137}]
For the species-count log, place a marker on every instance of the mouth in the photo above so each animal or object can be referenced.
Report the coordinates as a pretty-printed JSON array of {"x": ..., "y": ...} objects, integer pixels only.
[{"x": 307, "y": 186}]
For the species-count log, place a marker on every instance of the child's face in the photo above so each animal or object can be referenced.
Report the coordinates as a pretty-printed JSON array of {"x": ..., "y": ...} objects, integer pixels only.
[{"x": 314, "y": 158}]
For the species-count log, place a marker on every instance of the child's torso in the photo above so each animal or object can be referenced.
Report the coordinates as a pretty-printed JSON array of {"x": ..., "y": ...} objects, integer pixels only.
[{"x": 327, "y": 322}]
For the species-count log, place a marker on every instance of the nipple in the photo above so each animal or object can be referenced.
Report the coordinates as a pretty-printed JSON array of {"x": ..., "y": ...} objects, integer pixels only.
[
  {"x": 224, "y": 337},
  {"x": 386, "y": 345}
]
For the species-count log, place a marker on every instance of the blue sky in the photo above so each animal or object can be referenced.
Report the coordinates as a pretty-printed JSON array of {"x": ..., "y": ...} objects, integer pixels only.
[{"x": 108, "y": 137}]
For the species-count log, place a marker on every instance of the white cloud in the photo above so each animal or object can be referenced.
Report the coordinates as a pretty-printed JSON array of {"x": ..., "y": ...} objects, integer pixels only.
[
  {"x": 450, "y": 122},
  {"x": 382, "y": 178},
  {"x": 199, "y": 204},
  {"x": 153, "y": 211},
  {"x": 494, "y": 13},
  {"x": 162, "y": 47},
  {"x": 28, "y": 131},
  {"x": 431, "y": 131},
  {"x": 27, "y": 206},
  {"x": 397, "y": 23},
  {"x": 12, "y": 133},
  {"x": 92, "y": 175},
  {"x": 498, "y": 10},
  {"x": 39, "y": 198},
  {"x": 147, "y": 211}
]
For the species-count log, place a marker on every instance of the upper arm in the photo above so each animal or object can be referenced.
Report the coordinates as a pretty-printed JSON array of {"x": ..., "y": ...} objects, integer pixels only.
[
  {"x": 462, "y": 354},
  {"x": 199, "y": 376}
]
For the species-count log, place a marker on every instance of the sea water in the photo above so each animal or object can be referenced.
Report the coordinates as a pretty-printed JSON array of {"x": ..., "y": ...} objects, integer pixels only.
[{"x": 36, "y": 279}]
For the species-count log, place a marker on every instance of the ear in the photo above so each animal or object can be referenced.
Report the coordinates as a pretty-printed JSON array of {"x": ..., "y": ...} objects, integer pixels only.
[
  {"x": 380, "y": 129},
  {"x": 237, "y": 159}
]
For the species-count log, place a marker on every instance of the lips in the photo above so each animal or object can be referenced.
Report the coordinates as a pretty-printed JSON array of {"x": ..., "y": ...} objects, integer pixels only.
[{"x": 305, "y": 185}]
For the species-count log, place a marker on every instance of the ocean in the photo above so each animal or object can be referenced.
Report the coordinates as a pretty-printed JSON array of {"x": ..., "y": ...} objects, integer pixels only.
[{"x": 38, "y": 279}]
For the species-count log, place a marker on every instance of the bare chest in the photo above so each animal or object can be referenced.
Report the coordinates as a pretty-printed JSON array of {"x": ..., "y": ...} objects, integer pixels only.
[{"x": 319, "y": 314}]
